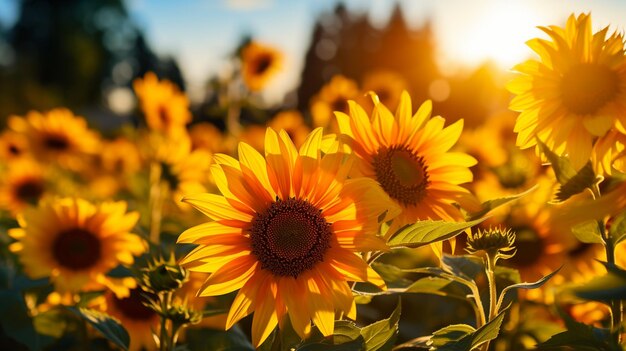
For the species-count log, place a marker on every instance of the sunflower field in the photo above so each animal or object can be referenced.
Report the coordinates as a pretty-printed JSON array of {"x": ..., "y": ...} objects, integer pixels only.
[{"x": 382, "y": 205}]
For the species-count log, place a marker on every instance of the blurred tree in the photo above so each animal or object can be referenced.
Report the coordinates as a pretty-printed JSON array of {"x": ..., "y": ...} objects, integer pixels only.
[{"x": 73, "y": 53}]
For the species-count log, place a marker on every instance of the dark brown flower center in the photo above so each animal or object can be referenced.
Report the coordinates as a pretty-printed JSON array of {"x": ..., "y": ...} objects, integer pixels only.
[
  {"x": 29, "y": 191},
  {"x": 14, "y": 150},
  {"x": 587, "y": 87},
  {"x": 401, "y": 173},
  {"x": 77, "y": 249},
  {"x": 133, "y": 307},
  {"x": 340, "y": 104},
  {"x": 262, "y": 63},
  {"x": 290, "y": 237},
  {"x": 170, "y": 177},
  {"x": 164, "y": 115},
  {"x": 56, "y": 142},
  {"x": 530, "y": 247}
]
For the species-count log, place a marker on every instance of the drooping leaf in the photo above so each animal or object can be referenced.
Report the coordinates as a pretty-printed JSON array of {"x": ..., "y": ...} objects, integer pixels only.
[
  {"x": 572, "y": 181},
  {"x": 492, "y": 204},
  {"x": 506, "y": 292},
  {"x": 106, "y": 325},
  {"x": 487, "y": 332},
  {"x": 428, "y": 231},
  {"x": 381, "y": 335},
  {"x": 617, "y": 230},
  {"x": 583, "y": 179},
  {"x": 587, "y": 232}
]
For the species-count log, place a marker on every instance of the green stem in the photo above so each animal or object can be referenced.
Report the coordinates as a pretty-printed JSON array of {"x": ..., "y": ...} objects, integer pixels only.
[
  {"x": 164, "y": 338},
  {"x": 609, "y": 247},
  {"x": 491, "y": 279},
  {"x": 156, "y": 202}
]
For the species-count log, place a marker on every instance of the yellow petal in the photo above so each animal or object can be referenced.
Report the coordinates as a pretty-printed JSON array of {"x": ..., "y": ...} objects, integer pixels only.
[{"x": 216, "y": 207}]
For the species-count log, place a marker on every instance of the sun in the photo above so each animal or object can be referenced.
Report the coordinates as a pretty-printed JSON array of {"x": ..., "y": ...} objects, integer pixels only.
[{"x": 496, "y": 33}]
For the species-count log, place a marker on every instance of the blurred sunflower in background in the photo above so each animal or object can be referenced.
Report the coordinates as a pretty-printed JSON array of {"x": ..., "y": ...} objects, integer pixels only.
[
  {"x": 23, "y": 184},
  {"x": 57, "y": 137},
  {"x": 293, "y": 123},
  {"x": 575, "y": 94},
  {"x": 208, "y": 137},
  {"x": 333, "y": 97},
  {"x": 165, "y": 107},
  {"x": 387, "y": 85},
  {"x": 76, "y": 243},
  {"x": 409, "y": 157},
  {"x": 13, "y": 146},
  {"x": 259, "y": 65},
  {"x": 285, "y": 232}
]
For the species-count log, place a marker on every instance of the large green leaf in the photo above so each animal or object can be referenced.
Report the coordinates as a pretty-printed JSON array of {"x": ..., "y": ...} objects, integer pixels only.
[
  {"x": 450, "y": 333},
  {"x": 381, "y": 335},
  {"x": 483, "y": 334},
  {"x": 492, "y": 204},
  {"x": 428, "y": 231},
  {"x": 106, "y": 325}
]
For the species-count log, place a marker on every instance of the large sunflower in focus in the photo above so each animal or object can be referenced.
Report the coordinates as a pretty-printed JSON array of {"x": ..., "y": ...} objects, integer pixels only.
[
  {"x": 260, "y": 63},
  {"x": 57, "y": 136},
  {"x": 286, "y": 233},
  {"x": 164, "y": 106},
  {"x": 408, "y": 156},
  {"x": 576, "y": 93},
  {"x": 76, "y": 243}
]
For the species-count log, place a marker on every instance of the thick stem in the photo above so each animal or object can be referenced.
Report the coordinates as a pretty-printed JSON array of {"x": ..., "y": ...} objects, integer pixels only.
[{"x": 164, "y": 337}]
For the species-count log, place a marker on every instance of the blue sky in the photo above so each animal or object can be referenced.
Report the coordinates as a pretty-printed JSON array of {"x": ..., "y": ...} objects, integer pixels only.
[{"x": 201, "y": 33}]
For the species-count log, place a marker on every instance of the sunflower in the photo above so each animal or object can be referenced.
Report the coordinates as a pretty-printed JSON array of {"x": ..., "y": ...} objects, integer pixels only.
[
  {"x": 293, "y": 123},
  {"x": 164, "y": 106},
  {"x": 57, "y": 136},
  {"x": 408, "y": 156},
  {"x": 575, "y": 94},
  {"x": 387, "y": 85},
  {"x": 137, "y": 319},
  {"x": 24, "y": 184},
  {"x": 332, "y": 97},
  {"x": 76, "y": 243},
  {"x": 260, "y": 63},
  {"x": 114, "y": 167},
  {"x": 609, "y": 153},
  {"x": 207, "y": 136},
  {"x": 13, "y": 146},
  {"x": 286, "y": 233}
]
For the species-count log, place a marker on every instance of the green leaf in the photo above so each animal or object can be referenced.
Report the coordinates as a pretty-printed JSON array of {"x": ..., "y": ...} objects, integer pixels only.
[
  {"x": 572, "y": 182},
  {"x": 428, "y": 231},
  {"x": 579, "y": 336},
  {"x": 16, "y": 323},
  {"x": 450, "y": 333},
  {"x": 52, "y": 323},
  {"x": 381, "y": 335},
  {"x": 429, "y": 285},
  {"x": 205, "y": 339},
  {"x": 467, "y": 267},
  {"x": 585, "y": 178},
  {"x": 511, "y": 288},
  {"x": 492, "y": 204},
  {"x": 617, "y": 231},
  {"x": 106, "y": 325},
  {"x": 587, "y": 232},
  {"x": 483, "y": 334},
  {"x": 608, "y": 287}
]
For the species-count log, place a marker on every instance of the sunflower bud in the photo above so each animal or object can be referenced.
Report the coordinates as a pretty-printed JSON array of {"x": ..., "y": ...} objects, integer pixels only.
[
  {"x": 180, "y": 315},
  {"x": 496, "y": 242},
  {"x": 164, "y": 275}
]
